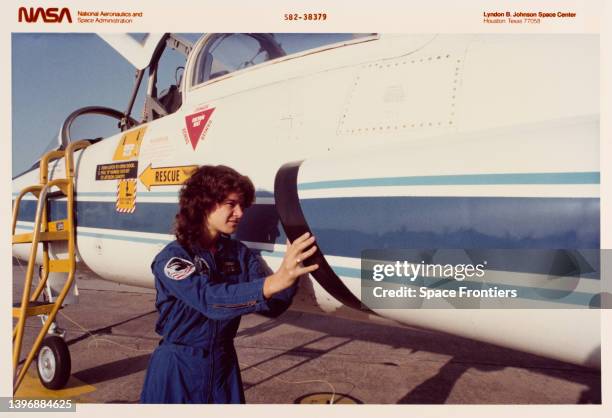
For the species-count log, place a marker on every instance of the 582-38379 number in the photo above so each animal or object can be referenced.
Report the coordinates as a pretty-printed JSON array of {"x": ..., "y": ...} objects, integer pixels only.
[{"x": 305, "y": 16}]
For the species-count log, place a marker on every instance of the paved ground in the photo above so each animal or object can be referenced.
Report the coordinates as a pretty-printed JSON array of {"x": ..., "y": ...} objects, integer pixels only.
[{"x": 110, "y": 335}]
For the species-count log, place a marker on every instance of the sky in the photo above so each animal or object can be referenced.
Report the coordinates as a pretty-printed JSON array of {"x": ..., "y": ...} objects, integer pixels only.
[{"x": 53, "y": 75}]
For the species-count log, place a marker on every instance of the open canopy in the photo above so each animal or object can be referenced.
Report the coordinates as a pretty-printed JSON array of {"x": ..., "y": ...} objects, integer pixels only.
[{"x": 138, "y": 50}]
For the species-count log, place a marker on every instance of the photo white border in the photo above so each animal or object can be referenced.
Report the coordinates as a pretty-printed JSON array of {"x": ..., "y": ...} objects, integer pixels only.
[{"x": 442, "y": 16}]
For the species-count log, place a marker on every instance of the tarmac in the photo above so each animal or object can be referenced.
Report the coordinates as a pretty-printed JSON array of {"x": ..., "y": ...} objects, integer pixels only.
[{"x": 303, "y": 358}]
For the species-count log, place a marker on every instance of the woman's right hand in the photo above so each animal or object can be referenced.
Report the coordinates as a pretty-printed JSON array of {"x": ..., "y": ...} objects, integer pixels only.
[{"x": 291, "y": 268}]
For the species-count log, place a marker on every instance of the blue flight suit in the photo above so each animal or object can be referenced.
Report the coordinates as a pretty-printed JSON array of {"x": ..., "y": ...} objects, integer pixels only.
[{"x": 200, "y": 299}]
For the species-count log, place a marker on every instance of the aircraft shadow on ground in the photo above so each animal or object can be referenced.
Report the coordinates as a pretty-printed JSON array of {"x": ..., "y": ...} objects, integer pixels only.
[{"x": 465, "y": 354}]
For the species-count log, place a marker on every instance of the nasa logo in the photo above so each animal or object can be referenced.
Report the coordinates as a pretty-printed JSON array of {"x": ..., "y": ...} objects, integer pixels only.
[{"x": 48, "y": 15}]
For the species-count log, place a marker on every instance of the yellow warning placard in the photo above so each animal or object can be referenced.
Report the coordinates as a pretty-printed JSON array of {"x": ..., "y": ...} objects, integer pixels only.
[
  {"x": 129, "y": 145},
  {"x": 126, "y": 196},
  {"x": 166, "y": 176}
]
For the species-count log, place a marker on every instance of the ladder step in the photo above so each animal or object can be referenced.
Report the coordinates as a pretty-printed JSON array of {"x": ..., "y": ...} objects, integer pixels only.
[
  {"x": 59, "y": 266},
  {"x": 33, "y": 309},
  {"x": 43, "y": 236}
]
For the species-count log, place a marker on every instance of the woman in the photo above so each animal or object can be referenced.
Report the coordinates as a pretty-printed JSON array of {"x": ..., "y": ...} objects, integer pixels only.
[{"x": 205, "y": 282}]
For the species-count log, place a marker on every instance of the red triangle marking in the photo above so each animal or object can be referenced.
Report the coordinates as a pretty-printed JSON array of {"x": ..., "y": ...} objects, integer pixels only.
[{"x": 195, "y": 125}]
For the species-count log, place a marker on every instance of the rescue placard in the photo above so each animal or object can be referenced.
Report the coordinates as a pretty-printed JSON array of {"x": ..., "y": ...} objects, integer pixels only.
[
  {"x": 117, "y": 171},
  {"x": 126, "y": 196},
  {"x": 129, "y": 145},
  {"x": 166, "y": 176}
]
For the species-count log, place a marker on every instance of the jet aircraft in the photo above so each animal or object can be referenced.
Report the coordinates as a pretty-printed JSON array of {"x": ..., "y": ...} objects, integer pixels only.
[{"x": 424, "y": 143}]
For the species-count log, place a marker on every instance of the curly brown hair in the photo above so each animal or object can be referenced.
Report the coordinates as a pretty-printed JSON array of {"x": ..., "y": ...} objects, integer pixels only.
[{"x": 207, "y": 187}]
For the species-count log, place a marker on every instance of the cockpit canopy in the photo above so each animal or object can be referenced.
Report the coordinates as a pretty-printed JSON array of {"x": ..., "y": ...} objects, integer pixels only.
[{"x": 215, "y": 56}]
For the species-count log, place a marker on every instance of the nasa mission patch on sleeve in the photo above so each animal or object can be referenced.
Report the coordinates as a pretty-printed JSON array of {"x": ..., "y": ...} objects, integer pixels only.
[{"x": 178, "y": 268}]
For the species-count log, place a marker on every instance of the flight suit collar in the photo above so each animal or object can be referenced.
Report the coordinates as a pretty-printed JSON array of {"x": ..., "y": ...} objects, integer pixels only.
[{"x": 221, "y": 243}]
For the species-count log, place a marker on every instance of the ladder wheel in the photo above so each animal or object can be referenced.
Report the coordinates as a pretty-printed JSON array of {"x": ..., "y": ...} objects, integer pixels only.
[{"x": 53, "y": 363}]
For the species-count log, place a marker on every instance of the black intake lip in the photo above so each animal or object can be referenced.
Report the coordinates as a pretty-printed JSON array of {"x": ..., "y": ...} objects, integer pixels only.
[{"x": 294, "y": 223}]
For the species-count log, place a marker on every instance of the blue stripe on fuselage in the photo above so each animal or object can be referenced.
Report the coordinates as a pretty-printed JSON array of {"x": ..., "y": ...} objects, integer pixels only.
[
  {"x": 346, "y": 226},
  {"x": 260, "y": 223}
]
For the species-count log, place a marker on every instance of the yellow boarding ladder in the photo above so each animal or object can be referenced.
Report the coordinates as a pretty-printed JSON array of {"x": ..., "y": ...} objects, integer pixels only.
[{"x": 44, "y": 232}]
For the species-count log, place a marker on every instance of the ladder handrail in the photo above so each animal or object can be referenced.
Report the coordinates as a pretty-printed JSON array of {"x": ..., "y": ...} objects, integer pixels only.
[
  {"x": 72, "y": 147},
  {"x": 44, "y": 164},
  {"x": 67, "y": 154},
  {"x": 17, "y": 203}
]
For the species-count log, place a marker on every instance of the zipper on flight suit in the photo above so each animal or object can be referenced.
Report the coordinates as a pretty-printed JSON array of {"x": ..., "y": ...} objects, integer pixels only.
[{"x": 214, "y": 327}]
